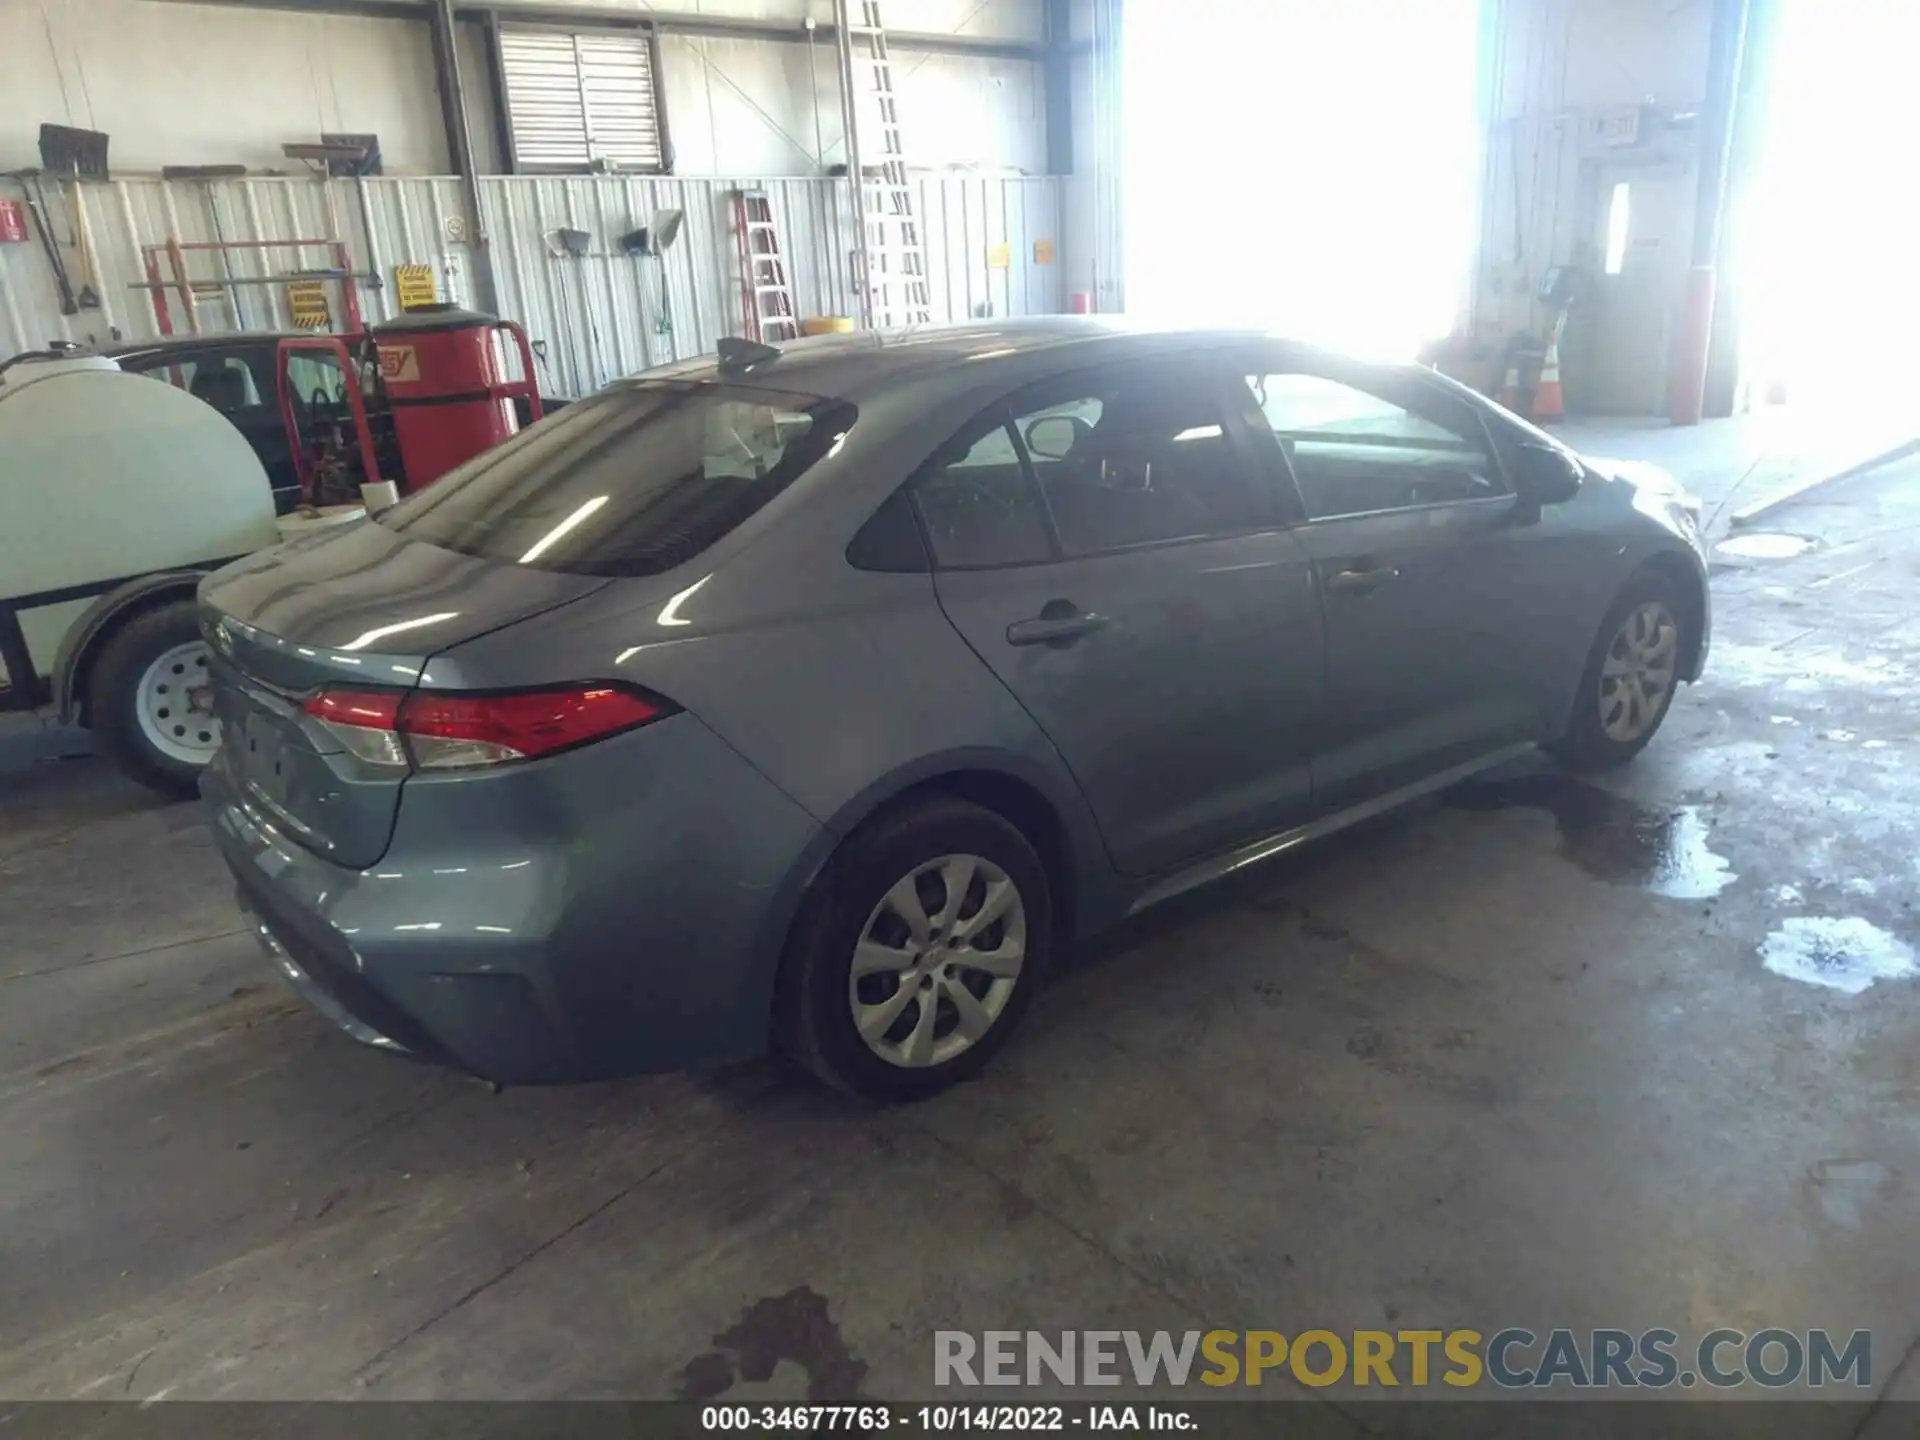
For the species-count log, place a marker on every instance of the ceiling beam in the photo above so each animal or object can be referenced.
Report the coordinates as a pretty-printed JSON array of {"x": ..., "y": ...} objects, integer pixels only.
[{"x": 671, "y": 22}]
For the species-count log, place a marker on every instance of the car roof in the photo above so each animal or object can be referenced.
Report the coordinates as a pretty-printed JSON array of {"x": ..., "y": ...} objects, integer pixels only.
[
  {"x": 860, "y": 364},
  {"x": 168, "y": 344},
  {"x": 857, "y": 364}
]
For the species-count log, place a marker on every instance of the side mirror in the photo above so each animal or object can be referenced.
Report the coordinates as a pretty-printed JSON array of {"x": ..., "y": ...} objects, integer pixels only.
[
  {"x": 1052, "y": 437},
  {"x": 1546, "y": 475}
]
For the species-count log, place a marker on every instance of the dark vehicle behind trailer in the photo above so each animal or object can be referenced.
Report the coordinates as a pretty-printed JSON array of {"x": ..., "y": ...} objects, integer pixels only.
[{"x": 237, "y": 375}]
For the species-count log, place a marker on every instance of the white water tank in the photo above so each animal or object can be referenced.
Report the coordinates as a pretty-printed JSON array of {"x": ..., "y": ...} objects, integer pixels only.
[{"x": 105, "y": 476}]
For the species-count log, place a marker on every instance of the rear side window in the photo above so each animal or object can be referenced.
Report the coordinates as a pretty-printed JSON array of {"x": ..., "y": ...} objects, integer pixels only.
[
  {"x": 230, "y": 383},
  {"x": 981, "y": 509},
  {"x": 632, "y": 481}
]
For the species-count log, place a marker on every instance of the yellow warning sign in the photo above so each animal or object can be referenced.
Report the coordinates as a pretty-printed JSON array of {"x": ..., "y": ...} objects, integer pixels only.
[
  {"x": 1043, "y": 252},
  {"x": 999, "y": 257},
  {"x": 307, "y": 299},
  {"x": 416, "y": 286}
]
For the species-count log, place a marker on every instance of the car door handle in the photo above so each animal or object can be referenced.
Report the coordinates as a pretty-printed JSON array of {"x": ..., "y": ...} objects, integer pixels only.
[
  {"x": 1058, "y": 631},
  {"x": 1361, "y": 582}
]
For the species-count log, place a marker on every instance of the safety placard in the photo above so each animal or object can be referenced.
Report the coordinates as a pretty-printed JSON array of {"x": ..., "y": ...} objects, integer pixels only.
[
  {"x": 416, "y": 286},
  {"x": 307, "y": 299},
  {"x": 1000, "y": 256},
  {"x": 1043, "y": 252}
]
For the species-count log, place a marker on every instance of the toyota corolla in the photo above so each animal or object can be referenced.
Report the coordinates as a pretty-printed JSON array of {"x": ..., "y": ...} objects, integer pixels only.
[{"x": 817, "y": 698}]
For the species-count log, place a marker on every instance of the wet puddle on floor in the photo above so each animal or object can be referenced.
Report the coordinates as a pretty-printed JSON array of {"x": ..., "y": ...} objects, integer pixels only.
[
  {"x": 1658, "y": 848},
  {"x": 1761, "y": 545},
  {"x": 1846, "y": 954}
]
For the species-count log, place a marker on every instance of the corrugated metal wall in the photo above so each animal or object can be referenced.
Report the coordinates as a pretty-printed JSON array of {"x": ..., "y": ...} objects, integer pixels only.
[
  {"x": 595, "y": 316},
  {"x": 1553, "y": 72}
]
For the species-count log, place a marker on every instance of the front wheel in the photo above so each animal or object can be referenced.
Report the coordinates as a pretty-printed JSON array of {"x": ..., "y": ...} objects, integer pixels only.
[
  {"x": 918, "y": 955},
  {"x": 150, "y": 699},
  {"x": 1630, "y": 679}
]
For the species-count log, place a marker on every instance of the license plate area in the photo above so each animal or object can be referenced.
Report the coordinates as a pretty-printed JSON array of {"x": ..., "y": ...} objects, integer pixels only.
[
  {"x": 264, "y": 758},
  {"x": 264, "y": 739}
]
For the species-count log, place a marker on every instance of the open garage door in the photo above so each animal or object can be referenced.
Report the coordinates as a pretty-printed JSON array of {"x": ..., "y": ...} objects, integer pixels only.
[
  {"x": 1830, "y": 234},
  {"x": 1305, "y": 167}
]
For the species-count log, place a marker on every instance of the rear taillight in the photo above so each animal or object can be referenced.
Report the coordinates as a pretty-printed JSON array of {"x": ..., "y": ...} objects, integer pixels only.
[
  {"x": 365, "y": 721},
  {"x": 450, "y": 730},
  {"x": 428, "y": 730}
]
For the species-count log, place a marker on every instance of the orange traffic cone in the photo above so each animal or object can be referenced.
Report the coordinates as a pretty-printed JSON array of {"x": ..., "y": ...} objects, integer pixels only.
[
  {"x": 1510, "y": 389},
  {"x": 1549, "y": 402}
]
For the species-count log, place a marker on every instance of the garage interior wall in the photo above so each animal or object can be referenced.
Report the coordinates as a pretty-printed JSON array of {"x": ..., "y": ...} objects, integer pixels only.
[
  {"x": 189, "y": 84},
  {"x": 1582, "y": 96},
  {"x": 215, "y": 84},
  {"x": 773, "y": 109},
  {"x": 592, "y": 317}
]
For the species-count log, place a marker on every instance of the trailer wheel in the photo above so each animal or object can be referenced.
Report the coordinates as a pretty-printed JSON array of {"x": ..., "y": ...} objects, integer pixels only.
[{"x": 150, "y": 699}]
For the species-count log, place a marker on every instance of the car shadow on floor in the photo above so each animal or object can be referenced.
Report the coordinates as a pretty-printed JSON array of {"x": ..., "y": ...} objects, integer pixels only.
[{"x": 1262, "y": 887}]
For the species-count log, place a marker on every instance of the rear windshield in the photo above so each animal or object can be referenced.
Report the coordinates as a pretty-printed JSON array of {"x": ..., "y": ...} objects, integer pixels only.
[{"x": 632, "y": 481}]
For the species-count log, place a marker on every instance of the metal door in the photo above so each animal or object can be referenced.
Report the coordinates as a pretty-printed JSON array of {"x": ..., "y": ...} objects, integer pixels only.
[{"x": 1644, "y": 216}]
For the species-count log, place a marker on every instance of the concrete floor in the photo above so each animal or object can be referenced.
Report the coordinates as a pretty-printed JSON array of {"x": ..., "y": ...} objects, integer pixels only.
[{"x": 1506, "y": 1059}]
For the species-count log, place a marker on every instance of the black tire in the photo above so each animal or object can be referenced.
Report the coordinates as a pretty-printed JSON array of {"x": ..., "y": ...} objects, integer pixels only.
[
  {"x": 113, "y": 696},
  {"x": 815, "y": 1023},
  {"x": 1586, "y": 746}
]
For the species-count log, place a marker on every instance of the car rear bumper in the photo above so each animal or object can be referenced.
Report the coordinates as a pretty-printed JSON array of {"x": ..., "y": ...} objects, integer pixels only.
[{"x": 614, "y": 910}]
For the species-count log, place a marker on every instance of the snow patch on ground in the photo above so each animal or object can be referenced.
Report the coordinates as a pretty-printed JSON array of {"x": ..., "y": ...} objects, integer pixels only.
[{"x": 1846, "y": 954}]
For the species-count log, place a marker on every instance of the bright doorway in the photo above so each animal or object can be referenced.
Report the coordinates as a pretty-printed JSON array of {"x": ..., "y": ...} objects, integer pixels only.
[
  {"x": 1829, "y": 237},
  {"x": 1303, "y": 166}
]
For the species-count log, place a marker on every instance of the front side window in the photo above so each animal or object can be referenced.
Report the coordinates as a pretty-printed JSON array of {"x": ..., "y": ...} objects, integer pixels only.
[
  {"x": 1137, "y": 457},
  {"x": 633, "y": 481},
  {"x": 1355, "y": 451},
  {"x": 316, "y": 377}
]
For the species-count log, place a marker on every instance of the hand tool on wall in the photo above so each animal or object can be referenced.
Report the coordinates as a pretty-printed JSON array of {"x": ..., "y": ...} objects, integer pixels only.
[
  {"x": 87, "y": 297},
  {"x": 37, "y": 208},
  {"x": 67, "y": 150},
  {"x": 76, "y": 153}
]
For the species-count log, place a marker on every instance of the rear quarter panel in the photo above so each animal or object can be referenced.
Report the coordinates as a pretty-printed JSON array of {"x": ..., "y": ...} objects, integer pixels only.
[
  {"x": 844, "y": 687},
  {"x": 843, "y": 698}
]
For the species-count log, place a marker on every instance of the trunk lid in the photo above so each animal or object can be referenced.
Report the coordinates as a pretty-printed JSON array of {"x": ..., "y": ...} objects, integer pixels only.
[{"x": 363, "y": 609}]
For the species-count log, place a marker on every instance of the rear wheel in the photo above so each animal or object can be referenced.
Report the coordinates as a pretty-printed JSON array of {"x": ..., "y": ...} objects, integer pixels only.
[
  {"x": 919, "y": 953},
  {"x": 1630, "y": 679},
  {"x": 150, "y": 699}
]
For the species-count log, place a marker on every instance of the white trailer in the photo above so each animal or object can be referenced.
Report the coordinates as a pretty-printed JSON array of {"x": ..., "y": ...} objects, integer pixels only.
[{"x": 116, "y": 495}]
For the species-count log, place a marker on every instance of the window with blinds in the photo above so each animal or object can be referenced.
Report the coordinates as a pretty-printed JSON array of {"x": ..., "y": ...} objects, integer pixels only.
[{"x": 580, "y": 101}]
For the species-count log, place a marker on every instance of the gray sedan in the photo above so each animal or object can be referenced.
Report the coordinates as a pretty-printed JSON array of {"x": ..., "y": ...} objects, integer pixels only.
[{"x": 818, "y": 698}]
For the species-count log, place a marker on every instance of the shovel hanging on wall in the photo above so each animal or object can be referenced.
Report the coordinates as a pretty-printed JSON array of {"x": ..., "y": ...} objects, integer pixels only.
[{"x": 67, "y": 150}]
